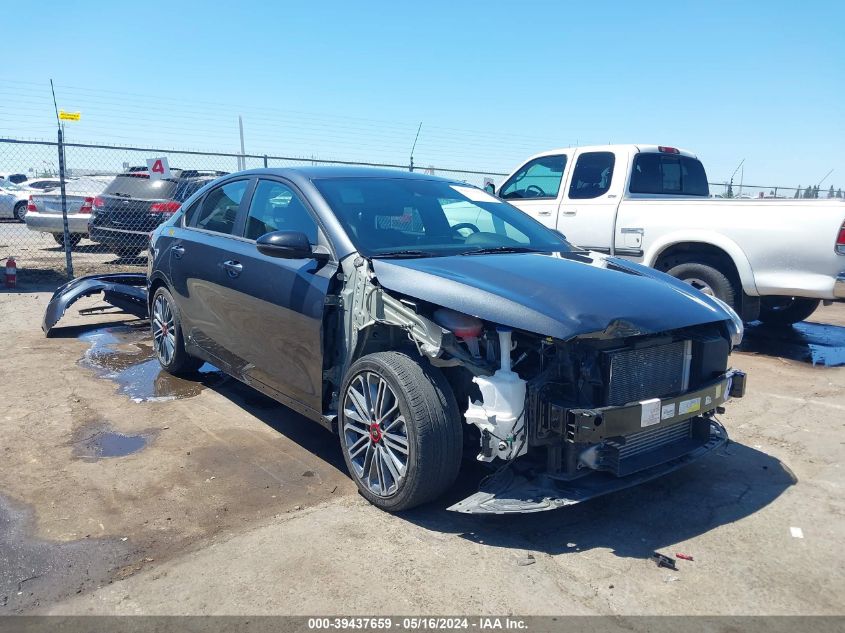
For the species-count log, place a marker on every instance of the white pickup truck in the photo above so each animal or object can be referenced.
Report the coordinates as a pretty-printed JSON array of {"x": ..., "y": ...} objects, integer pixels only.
[{"x": 771, "y": 259}]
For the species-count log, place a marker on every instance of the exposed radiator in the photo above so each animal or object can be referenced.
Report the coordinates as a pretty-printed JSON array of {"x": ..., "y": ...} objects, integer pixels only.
[
  {"x": 645, "y": 441},
  {"x": 647, "y": 448},
  {"x": 649, "y": 372}
]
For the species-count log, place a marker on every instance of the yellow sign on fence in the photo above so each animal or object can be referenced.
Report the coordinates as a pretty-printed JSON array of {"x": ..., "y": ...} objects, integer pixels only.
[{"x": 69, "y": 116}]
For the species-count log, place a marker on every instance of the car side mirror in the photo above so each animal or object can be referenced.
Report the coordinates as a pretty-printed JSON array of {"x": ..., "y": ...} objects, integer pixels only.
[
  {"x": 288, "y": 245},
  {"x": 490, "y": 188}
]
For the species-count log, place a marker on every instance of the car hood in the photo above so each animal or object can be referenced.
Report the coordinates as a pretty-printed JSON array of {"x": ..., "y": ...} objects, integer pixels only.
[{"x": 562, "y": 295}]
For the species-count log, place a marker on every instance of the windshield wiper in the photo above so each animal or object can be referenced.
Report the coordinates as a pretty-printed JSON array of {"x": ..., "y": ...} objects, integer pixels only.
[
  {"x": 401, "y": 254},
  {"x": 506, "y": 249}
]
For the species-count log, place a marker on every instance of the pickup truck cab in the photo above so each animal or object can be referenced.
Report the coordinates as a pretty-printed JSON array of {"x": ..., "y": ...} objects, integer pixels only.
[{"x": 769, "y": 259}]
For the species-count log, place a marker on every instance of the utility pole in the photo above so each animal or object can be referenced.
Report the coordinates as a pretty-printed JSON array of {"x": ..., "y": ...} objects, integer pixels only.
[
  {"x": 413, "y": 147},
  {"x": 825, "y": 178},
  {"x": 242, "y": 159}
]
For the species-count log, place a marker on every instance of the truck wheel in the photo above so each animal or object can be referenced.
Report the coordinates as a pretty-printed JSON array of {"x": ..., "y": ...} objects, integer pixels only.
[
  {"x": 75, "y": 238},
  {"x": 400, "y": 430},
  {"x": 707, "y": 279},
  {"x": 20, "y": 211},
  {"x": 786, "y": 310},
  {"x": 166, "y": 325}
]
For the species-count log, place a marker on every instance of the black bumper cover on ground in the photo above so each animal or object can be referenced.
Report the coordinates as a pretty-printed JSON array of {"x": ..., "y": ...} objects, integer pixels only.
[{"x": 127, "y": 291}]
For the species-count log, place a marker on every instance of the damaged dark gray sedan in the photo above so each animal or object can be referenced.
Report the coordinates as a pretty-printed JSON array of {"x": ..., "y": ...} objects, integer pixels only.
[{"x": 423, "y": 319}]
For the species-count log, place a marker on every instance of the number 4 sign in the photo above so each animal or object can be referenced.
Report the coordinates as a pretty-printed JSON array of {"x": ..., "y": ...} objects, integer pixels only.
[{"x": 158, "y": 168}]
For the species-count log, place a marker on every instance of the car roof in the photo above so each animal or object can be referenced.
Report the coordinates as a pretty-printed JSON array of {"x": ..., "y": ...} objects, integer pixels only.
[{"x": 342, "y": 171}]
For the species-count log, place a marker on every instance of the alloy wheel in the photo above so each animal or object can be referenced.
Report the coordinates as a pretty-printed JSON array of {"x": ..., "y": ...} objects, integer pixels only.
[
  {"x": 164, "y": 330},
  {"x": 700, "y": 285},
  {"x": 375, "y": 434}
]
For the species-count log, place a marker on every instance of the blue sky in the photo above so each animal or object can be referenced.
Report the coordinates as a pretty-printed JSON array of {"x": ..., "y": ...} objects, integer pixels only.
[{"x": 491, "y": 82}]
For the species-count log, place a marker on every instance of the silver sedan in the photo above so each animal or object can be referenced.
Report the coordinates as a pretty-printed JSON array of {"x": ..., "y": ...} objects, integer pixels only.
[{"x": 44, "y": 210}]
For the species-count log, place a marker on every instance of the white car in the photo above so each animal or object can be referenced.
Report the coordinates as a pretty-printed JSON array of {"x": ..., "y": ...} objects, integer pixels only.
[
  {"x": 769, "y": 259},
  {"x": 44, "y": 210},
  {"x": 13, "y": 200}
]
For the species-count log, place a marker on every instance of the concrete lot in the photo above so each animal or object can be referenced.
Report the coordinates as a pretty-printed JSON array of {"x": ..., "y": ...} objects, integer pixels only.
[{"x": 226, "y": 503}]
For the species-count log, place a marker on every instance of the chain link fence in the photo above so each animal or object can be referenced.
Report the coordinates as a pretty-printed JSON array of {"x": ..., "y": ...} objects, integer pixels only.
[
  {"x": 743, "y": 191},
  {"x": 112, "y": 202}
]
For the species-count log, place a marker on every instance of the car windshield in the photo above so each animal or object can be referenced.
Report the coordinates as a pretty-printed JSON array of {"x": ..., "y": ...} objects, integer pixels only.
[
  {"x": 7, "y": 184},
  {"x": 409, "y": 217}
]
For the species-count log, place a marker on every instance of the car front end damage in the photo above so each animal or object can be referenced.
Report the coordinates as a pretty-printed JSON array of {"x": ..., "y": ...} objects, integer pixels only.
[{"x": 559, "y": 420}]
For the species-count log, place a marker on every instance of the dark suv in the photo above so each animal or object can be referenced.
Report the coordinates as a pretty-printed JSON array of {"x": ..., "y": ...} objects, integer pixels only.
[{"x": 134, "y": 204}]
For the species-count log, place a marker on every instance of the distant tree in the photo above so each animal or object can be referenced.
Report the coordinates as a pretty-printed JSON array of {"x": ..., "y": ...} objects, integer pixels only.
[
  {"x": 797, "y": 192},
  {"x": 808, "y": 192},
  {"x": 838, "y": 193},
  {"x": 816, "y": 191},
  {"x": 730, "y": 192},
  {"x": 830, "y": 192}
]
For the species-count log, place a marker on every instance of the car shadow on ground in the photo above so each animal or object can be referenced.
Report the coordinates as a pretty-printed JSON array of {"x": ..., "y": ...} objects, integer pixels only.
[
  {"x": 730, "y": 484},
  {"x": 99, "y": 249}
]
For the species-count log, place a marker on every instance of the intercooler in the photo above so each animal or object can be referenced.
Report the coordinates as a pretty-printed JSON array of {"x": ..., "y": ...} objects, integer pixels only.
[
  {"x": 634, "y": 452},
  {"x": 648, "y": 372}
]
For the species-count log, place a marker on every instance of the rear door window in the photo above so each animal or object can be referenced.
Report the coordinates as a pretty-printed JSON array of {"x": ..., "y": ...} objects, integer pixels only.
[
  {"x": 138, "y": 186},
  {"x": 668, "y": 174},
  {"x": 218, "y": 211},
  {"x": 592, "y": 175},
  {"x": 537, "y": 179}
]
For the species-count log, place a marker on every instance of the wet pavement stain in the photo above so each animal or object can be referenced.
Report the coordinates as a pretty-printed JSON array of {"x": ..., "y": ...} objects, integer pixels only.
[
  {"x": 106, "y": 444},
  {"x": 819, "y": 344},
  {"x": 124, "y": 355}
]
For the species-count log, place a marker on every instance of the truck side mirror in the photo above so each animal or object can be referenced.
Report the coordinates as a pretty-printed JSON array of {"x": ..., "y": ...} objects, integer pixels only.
[{"x": 490, "y": 188}]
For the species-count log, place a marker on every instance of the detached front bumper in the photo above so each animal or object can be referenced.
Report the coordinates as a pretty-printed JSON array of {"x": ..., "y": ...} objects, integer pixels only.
[
  {"x": 127, "y": 291},
  {"x": 621, "y": 447}
]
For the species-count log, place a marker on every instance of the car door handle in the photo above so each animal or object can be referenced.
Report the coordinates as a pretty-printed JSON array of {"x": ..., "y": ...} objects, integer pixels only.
[
  {"x": 178, "y": 251},
  {"x": 544, "y": 213},
  {"x": 232, "y": 267},
  {"x": 571, "y": 212}
]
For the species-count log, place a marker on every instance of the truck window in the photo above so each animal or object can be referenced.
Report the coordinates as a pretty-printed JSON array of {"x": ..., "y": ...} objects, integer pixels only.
[
  {"x": 536, "y": 179},
  {"x": 592, "y": 175},
  {"x": 668, "y": 175}
]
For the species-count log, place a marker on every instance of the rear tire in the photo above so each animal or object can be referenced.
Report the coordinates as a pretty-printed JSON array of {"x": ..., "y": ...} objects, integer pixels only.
[
  {"x": 786, "y": 310},
  {"x": 75, "y": 238},
  {"x": 708, "y": 280},
  {"x": 168, "y": 341},
  {"x": 20, "y": 211},
  {"x": 400, "y": 430}
]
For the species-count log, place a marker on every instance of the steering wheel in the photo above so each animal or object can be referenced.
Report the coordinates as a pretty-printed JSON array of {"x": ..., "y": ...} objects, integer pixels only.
[
  {"x": 540, "y": 192},
  {"x": 466, "y": 225}
]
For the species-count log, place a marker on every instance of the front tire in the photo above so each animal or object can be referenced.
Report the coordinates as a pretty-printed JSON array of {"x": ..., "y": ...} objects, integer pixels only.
[
  {"x": 709, "y": 280},
  {"x": 127, "y": 253},
  {"x": 168, "y": 341},
  {"x": 20, "y": 211},
  {"x": 400, "y": 430},
  {"x": 75, "y": 238},
  {"x": 786, "y": 310}
]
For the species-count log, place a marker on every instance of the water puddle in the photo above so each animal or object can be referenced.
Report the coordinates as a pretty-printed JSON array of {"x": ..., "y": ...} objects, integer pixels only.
[
  {"x": 815, "y": 343},
  {"x": 95, "y": 443},
  {"x": 124, "y": 354}
]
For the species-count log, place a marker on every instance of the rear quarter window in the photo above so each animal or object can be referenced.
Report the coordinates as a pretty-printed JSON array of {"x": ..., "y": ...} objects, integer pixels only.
[
  {"x": 141, "y": 188},
  {"x": 668, "y": 174}
]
